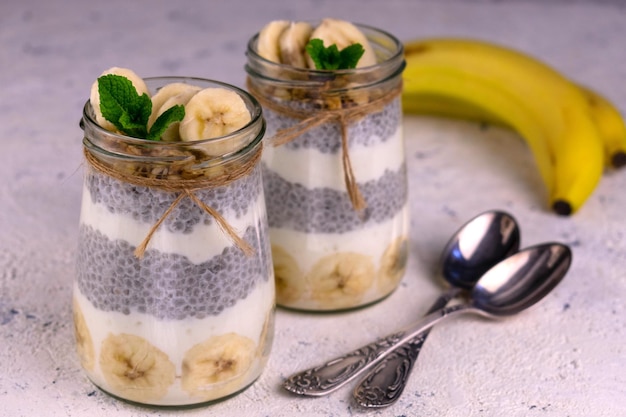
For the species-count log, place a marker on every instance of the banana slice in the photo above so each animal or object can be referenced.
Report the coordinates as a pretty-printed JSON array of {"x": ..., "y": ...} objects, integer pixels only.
[
  {"x": 267, "y": 44},
  {"x": 287, "y": 275},
  {"x": 393, "y": 265},
  {"x": 212, "y": 113},
  {"x": 94, "y": 97},
  {"x": 135, "y": 369},
  {"x": 84, "y": 342},
  {"x": 168, "y": 96},
  {"x": 292, "y": 42},
  {"x": 340, "y": 280},
  {"x": 218, "y": 365},
  {"x": 343, "y": 34},
  {"x": 266, "y": 338}
]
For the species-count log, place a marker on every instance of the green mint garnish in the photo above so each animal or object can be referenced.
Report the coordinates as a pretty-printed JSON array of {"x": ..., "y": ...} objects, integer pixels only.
[
  {"x": 172, "y": 115},
  {"x": 121, "y": 105},
  {"x": 332, "y": 58}
]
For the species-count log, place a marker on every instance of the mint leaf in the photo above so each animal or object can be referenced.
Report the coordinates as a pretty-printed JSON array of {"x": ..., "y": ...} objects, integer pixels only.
[
  {"x": 350, "y": 55},
  {"x": 172, "y": 115},
  {"x": 121, "y": 105},
  {"x": 142, "y": 108},
  {"x": 131, "y": 127},
  {"x": 315, "y": 47},
  {"x": 330, "y": 58}
]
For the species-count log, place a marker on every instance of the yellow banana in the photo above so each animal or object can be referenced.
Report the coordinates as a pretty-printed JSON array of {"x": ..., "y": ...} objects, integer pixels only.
[
  {"x": 446, "y": 106},
  {"x": 447, "y": 82},
  {"x": 605, "y": 115},
  {"x": 611, "y": 126},
  {"x": 542, "y": 106}
]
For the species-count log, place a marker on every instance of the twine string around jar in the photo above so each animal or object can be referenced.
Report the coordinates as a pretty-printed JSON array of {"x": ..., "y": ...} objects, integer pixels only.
[
  {"x": 185, "y": 188},
  {"x": 310, "y": 119}
]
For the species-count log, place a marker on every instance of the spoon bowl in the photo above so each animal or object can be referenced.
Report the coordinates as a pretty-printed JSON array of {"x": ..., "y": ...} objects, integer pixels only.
[
  {"x": 521, "y": 280},
  {"x": 477, "y": 246},
  {"x": 508, "y": 288}
]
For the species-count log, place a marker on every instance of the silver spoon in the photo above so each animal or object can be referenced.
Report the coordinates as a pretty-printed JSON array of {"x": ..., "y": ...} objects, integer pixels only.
[
  {"x": 479, "y": 244},
  {"x": 509, "y": 287}
]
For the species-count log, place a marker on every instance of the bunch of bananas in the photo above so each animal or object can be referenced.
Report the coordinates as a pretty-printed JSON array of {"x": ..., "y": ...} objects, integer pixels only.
[{"x": 572, "y": 131}]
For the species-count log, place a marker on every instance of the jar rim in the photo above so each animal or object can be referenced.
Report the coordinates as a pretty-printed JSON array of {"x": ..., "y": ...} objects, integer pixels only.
[
  {"x": 256, "y": 125},
  {"x": 321, "y": 76}
]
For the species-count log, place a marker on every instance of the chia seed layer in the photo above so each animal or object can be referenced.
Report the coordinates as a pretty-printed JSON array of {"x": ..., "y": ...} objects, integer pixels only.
[
  {"x": 147, "y": 205},
  {"x": 167, "y": 285},
  {"x": 325, "y": 210},
  {"x": 367, "y": 131}
]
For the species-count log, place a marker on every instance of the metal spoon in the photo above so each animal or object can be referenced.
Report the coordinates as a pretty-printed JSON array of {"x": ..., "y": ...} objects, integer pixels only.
[
  {"x": 509, "y": 287},
  {"x": 479, "y": 244}
]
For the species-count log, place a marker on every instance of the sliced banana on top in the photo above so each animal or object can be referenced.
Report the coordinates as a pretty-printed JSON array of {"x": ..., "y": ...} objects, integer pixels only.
[
  {"x": 166, "y": 93},
  {"x": 343, "y": 34},
  {"x": 168, "y": 96},
  {"x": 284, "y": 42},
  {"x": 212, "y": 113},
  {"x": 292, "y": 42},
  {"x": 135, "y": 369},
  {"x": 94, "y": 97},
  {"x": 267, "y": 44}
]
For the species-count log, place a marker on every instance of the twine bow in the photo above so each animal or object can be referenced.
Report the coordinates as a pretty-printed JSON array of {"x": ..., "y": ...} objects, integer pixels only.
[
  {"x": 310, "y": 119},
  {"x": 185, "y": 188}
]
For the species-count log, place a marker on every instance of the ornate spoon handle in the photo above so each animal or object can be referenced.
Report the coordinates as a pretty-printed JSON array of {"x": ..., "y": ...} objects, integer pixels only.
[
  {"x": 384, "y": 384},
  {"x": 332, "y": 375}
]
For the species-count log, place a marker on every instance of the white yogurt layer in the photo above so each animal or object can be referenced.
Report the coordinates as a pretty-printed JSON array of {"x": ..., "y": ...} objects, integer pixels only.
[
  {"x": 247, "y": 318},
  {"x": 372, "y": 240},
  {"x": 203, "y": 243},
  {"x": 314, "y": 169}
]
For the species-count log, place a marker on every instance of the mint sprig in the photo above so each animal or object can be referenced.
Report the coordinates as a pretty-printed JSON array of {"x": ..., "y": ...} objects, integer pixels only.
[
  {"x": 129, "y": 112},
  {"x": 331, "y": 58},
  {"x": 172, "y": 115}
]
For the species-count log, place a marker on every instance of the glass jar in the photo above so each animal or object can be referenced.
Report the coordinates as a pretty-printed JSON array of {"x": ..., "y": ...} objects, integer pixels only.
[
  {"x": 174, "y": 292},
  {"x": 335, "y": 177}
]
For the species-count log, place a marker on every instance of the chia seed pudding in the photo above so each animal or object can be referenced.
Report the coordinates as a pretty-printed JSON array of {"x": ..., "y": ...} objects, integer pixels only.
[
  {"x": 190, "y": 320},
  {"x": 327, "y": 254}
]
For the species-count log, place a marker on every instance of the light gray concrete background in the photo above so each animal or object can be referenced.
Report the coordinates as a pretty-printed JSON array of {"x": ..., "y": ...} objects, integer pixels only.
[{"x": 565, "y": 357}]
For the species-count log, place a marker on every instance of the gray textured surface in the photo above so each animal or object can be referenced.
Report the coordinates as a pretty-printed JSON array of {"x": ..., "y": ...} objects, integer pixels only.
[{"x": 566, "y": 357}]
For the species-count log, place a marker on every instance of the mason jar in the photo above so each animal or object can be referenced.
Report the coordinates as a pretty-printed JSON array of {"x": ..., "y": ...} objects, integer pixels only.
[
  {"x": 335, "y": 177},
  {"x": 174, "y": 291}
]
